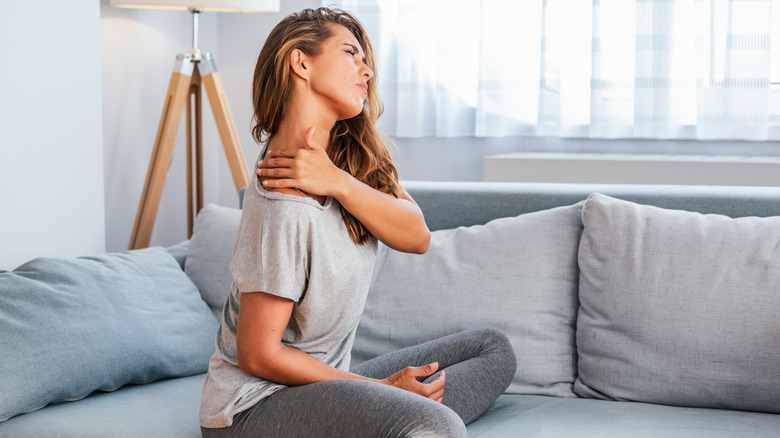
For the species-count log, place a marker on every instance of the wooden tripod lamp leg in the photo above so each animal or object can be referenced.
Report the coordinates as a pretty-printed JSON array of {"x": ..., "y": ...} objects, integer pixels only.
[
  {"x": 227, "y": 128},
  {"x": 161, "y": 154},
  {"x": 194, "y": 151}
]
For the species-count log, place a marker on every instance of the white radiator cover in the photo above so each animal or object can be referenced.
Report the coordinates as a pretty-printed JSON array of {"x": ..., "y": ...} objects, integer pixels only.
[{"x": 633, "y": 169}]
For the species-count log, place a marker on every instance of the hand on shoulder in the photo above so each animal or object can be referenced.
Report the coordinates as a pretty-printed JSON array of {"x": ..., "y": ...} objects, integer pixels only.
[{"x": 308, "y": 169}]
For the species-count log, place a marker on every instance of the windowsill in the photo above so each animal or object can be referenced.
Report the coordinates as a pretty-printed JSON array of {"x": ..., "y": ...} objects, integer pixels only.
[
  {"x": 633, "y": 169},
  {"x": 461, "y": 158}
]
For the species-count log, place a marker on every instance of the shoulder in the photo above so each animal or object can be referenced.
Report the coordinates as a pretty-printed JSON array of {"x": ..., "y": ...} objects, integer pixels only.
[
  {"x": 260, "y": 199},
  {"x": 294, "y": 192},
  {"x": 284, "y": 190}
]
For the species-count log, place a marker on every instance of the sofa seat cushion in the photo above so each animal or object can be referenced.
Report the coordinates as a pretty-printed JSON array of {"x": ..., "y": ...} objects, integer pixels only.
[
  {"x": 678, "y": 308},
  {"x": 517, "y": 275},
  {"x": 167, "y": 408},
  {"x": 542, "y": 417}
]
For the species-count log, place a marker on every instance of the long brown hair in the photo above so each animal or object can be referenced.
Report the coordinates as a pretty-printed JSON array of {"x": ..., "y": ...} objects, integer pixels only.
[{"x": 356, "y": 146}]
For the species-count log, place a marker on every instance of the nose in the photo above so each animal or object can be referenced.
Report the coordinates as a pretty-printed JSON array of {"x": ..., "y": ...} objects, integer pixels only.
[{"x": 367, "y": 72}]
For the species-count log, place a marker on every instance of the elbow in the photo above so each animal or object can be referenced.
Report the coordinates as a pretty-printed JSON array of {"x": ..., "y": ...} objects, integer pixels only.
[
  {"x": 421, "y": 246},
  {"x": 255, "y": 363},
  {"x": 408, "y": 238},
  {"x": 250, "y": 365}
]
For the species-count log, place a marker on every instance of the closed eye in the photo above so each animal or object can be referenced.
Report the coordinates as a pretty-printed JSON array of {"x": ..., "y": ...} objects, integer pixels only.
[{"x": 353, "y": 50}]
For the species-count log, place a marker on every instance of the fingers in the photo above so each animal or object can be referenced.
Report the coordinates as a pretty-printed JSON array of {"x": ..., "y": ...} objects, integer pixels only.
[
  {"x": 307, "y": 168},
  {"x": 423, "y": 371},
  {"x": 275, "y": 165},
  {"x": 277, "y": 157},
  {"x": 275, "y": 177},
  {"x": 433, "y": 390},
  {"x": 274, "y": 172},
  {"x": 279, "y": 183},
  {"x": 407, "y": 379},
  {"x": 438, "y": 384},
  {"x": 308, "y": 138}
]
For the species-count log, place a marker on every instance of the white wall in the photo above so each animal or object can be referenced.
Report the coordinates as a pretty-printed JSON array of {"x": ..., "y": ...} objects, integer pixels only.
[
  {"x": 241, "y": 36},
  {"x": 139, "y": 49},
  {"x": 51, "y": 155}
]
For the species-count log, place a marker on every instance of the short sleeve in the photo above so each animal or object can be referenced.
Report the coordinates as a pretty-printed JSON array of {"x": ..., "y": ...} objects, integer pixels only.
[{"x": 271, "y": 252}]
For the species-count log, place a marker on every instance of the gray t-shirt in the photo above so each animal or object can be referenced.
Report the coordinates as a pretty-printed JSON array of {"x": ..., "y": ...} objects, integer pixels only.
[{"x": 295, "y": 248}]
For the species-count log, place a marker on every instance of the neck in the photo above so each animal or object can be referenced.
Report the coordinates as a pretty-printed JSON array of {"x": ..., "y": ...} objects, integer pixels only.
[{"x": 301, "y": 114}]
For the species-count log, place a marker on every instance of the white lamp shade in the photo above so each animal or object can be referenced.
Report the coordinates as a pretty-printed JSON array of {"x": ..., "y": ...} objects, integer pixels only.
[{"x": 205, "y": 5}]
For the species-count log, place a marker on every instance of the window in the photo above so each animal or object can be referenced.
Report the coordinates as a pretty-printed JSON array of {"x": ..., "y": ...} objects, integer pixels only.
[
  {"x": 672, "y": 69},
  {"x": 774, "y": 102}
]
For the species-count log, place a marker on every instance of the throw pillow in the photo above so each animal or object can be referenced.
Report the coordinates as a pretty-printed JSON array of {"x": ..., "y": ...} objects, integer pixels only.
[
  {"x": 179, "y": 252},
  {"x": 71, "y": 326},
  {"x": 678, "y": 308},
  {"x": 210, "y": 253},
  {"x": 517, "y": 275}
]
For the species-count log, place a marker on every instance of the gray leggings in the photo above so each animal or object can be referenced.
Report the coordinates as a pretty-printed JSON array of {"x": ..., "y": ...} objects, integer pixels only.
[{"x": 479, "y": 364}]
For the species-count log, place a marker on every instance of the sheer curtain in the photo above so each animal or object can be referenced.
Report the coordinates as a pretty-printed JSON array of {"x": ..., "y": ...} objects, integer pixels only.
[{"x": 662, "y": 69}]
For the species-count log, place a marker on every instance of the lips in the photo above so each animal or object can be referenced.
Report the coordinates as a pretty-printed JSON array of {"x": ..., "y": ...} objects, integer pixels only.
[{"x": 363, "y": 87}]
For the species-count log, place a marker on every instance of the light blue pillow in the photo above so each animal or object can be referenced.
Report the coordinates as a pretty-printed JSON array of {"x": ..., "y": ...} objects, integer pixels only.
[{"x": 71, "y": 326}]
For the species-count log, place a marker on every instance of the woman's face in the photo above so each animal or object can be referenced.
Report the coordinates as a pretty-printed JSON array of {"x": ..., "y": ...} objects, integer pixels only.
[{"x": 339, "y": 74}]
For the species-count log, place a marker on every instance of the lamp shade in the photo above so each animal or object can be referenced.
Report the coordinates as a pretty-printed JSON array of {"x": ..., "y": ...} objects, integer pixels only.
[{"x": 205, "y": 5}]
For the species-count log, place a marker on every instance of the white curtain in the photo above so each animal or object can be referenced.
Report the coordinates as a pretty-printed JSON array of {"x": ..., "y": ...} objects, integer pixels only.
[{"x": 684, "y": 69}]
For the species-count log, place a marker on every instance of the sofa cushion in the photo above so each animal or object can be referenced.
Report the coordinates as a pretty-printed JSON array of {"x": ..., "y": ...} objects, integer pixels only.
[
  {"x": 71, "y": 326},
  {"x": 678, "y": 308},
  {"x": 210, "y": 253},
  {"x": 555, "y": 417},
  {"x": 516, "y": 274},
  {"x": 167, "y": 408},
  {"x": 179, "y": 252}
]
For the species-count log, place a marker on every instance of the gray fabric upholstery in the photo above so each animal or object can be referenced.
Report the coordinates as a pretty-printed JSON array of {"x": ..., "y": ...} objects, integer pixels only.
[
  {"x": 179, "y": 252},
  {"x": 554, "y": 417},
  {"x": 210, "y": 253},
  {"x": 453, "y": 204},
  {"x": 678, "y": 308},
  {"x": 168, "y": 408},
  {"x": 517, "y": 275}
]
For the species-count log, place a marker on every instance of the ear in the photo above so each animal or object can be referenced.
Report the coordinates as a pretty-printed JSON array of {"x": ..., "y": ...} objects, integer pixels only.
[{"x": 299, "y": 63}]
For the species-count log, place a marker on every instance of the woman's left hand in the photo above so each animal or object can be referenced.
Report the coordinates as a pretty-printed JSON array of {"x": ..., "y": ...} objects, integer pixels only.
[{"x": 308, "y": 169}]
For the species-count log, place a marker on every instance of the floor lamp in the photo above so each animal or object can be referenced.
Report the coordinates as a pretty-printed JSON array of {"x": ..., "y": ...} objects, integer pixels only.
[{"x": 192, "y": 71}]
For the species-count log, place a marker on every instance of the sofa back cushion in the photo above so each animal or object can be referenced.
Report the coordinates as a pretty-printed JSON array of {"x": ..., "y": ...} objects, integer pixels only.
[
  {"x": 71, "y": 326},
  {"x": 515, "y": 274},
  {"x": 678, "y": 308},
  {"x": 451, "y": 204}
]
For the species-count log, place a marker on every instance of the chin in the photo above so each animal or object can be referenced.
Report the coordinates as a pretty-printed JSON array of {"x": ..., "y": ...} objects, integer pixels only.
[{"x": 352, "y": 114}]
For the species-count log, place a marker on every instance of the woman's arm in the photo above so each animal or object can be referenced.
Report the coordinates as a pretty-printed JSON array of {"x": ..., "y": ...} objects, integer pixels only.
[
  {"x": 397, "y": 222},
  {"x": 262, "y": 320}
]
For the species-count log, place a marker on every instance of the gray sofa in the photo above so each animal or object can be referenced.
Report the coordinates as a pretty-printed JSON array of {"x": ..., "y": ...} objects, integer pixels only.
[{"x": 629, "y": 316}]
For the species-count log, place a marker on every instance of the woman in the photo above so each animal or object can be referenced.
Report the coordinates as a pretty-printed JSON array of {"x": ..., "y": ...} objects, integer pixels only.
[{"x": 325, "y": 191}]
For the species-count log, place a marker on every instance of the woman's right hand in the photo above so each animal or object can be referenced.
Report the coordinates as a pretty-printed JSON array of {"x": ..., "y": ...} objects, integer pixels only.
[{"x": 407, "y": 379}]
